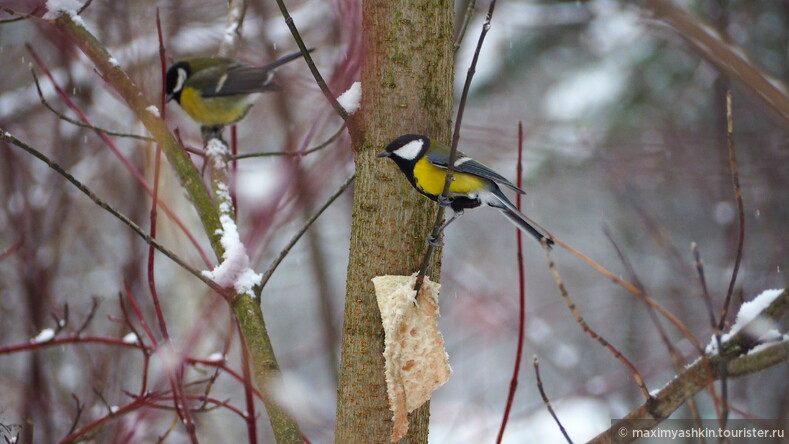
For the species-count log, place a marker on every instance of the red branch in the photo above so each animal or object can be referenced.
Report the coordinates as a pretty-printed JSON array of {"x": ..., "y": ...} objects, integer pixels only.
[{"x": 521, "y": 296}]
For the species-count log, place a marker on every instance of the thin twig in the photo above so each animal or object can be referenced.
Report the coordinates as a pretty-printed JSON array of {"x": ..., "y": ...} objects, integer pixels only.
[
  {"x": 84, "y": 7},
  {"x": 19, "y": 15},
  {"x": 521, "y": 297},
  {"x": 118, "y": 215},
  {"x": 675, "y": 354},
  {"x": 64, "y": 117},
  {"x": 61, "y": 323},
  {"x": 466, "y": 19},
  {"x": 11, "y": 250},
  {"x": 633, "y": 290},
  {"x": 740, "y": 239},
  {"x": 153, "y": 216},
  {"x": 140, "y": 317},
  {"x": 80, "y": 408},
  {"x": 93, "y": 308},
  {"x": 310, "y": 63},
  {"x": 547, "y": 401},
  {"x": 319, "y": 147},
  {"x": 588, "y": 330},
  {"x": 740, "y": 208},
  {"x": 676, "y": 357},
  {"x": 711, "y": 313},
  {"x": 436, "y": 233},
  {"x": 694, "y": 248},
  {"x": 267, "y": 274},
  {"x": 175, "y": 377}
]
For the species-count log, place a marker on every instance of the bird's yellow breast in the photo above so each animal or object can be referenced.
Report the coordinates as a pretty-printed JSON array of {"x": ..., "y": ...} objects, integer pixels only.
[
  {"x": 213, "y": 111},
  {"x": 430, "y": 179}
]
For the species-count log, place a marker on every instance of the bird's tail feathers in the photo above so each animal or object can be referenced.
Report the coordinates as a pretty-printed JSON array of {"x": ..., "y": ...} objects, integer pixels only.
[{"x": 516, "y": 217}]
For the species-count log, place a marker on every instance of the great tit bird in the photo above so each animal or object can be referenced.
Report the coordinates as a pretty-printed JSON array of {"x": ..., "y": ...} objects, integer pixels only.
[
  {"x": 217, "y": 91},
  {"x": 424, "y": 165}
]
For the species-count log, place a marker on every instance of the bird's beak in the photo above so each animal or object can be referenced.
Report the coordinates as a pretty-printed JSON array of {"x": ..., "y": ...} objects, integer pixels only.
[{"x": 384, "y": 153}]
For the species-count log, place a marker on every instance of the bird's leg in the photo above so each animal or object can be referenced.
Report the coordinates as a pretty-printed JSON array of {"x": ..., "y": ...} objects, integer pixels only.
[
  {"x": 435, "y": 241},
  {"x": 444, "y": 201},
  {"x": 212, "y": 132}
]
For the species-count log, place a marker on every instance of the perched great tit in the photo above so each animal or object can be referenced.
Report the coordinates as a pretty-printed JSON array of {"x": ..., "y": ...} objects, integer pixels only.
[
  {"x": 424, "y": 165},
  {"x": 217, "y": 91}
]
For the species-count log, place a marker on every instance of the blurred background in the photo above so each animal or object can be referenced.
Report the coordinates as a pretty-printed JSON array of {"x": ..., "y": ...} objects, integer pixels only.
[{"x": 625, "y": 159}]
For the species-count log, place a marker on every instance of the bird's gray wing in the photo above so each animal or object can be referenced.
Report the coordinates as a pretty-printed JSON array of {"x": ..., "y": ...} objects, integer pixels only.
[
  {"x": 242, "y": 79},
  {"x": 238, "y": 79}
]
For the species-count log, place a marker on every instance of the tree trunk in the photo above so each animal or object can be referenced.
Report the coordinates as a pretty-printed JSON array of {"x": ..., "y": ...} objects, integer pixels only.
[{"x": 407, "y": 85}]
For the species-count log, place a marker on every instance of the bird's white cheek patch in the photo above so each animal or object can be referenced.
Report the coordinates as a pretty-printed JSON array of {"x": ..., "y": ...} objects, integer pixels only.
[
  {"x": 179, "y": 83},
  {"x": 410, "y": 150}
]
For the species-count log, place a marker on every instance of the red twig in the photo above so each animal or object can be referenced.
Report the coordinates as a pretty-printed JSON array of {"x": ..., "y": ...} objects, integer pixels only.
[
  {"x": 139, "y": 315},
  {"x": 521, "y": 297},
  {"x": 155, "y": 194},
  {"x": 11, "y": 250},
  {"x": 176, "y": 378},
  {"x": 175, "y": 385},
  {"x": 78, "y": 435},
  {"x": 250, "y": 401},
  {"x": 145, "y": 351},
  {"x": 70, "y": 339}
]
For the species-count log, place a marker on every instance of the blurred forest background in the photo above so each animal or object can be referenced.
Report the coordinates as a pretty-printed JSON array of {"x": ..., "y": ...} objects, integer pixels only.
[{"x": 624, "y": 134}]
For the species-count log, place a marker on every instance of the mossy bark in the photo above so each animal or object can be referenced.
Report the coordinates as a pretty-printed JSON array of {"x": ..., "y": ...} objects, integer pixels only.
[{"x": 407, "y": 84}]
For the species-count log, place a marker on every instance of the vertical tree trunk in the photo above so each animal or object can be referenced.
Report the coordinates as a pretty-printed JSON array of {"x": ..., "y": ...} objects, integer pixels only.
[{"x": 407, "y": 84}]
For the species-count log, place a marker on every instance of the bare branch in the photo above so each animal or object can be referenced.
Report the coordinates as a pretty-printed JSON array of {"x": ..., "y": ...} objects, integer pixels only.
[
  {"x": 65, "y": 118},
  {"x": 740, "y": 208},
  {"x": 318, "y": 147},
  {"x": 4, "y": 135},
  {"x": 466, "y": 19},
  {"x": 588, "y": 330},
  {"x": 310, "y": 63},
  {"x": 521, "y": 297},
  {"x": 282, "y": 254},
  {"x": 547, "y": 401}
]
